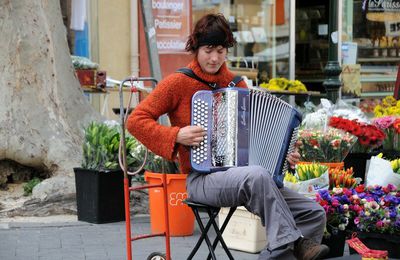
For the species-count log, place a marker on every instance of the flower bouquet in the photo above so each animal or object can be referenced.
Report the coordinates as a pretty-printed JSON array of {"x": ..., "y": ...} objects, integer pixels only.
[
  {"x": 382, "y": 171},
  {"x": 390, "y": 125},
  {"x": 369, "y": 136},
  {"x": 307, "y": 179},
  {"x": 388, "y": 107},
  {"x": 331, "y": 145},
  {"x": 339, "y": 178}
]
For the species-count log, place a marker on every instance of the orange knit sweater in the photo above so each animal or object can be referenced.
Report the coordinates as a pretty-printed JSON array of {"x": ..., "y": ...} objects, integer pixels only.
[{"x": 172, "y": 96}]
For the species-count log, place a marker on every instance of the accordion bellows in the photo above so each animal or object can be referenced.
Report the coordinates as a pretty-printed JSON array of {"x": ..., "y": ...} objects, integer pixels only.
[{"x": 244, "y": 127}]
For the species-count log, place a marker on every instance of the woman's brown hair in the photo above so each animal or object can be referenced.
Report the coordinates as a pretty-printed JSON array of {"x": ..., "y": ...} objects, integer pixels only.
[{"x": 210, "y": 30}]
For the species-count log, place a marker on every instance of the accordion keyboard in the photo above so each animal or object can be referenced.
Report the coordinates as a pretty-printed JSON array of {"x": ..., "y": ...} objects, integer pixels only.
[{"x": 200, "y": 118}]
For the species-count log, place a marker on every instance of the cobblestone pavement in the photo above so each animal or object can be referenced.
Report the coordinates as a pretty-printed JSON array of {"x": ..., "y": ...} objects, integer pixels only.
[{"x": 74, "y": 240}]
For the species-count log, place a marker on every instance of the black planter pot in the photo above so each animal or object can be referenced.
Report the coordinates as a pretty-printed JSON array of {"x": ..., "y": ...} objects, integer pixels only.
[
  {"x": 378, "y": 241},
  {"x": 99, "y": 195},
  {"x": 359, "y": 163},
  {"x": 336, "y": 244}
]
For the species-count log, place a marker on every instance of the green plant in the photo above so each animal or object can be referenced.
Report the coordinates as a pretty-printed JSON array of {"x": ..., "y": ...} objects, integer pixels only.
[
  {"x": 156, "y": 163},
  {"x": 101, "y": 144},
  {"x": 28, "y": 187}
]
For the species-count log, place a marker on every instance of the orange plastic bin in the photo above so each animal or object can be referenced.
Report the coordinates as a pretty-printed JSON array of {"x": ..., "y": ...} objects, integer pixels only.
[{"x": 181, "y": 217}]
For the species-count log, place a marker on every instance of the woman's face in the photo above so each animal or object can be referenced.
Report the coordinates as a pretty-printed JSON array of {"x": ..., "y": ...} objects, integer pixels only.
[{"x": 211, "y": 58}]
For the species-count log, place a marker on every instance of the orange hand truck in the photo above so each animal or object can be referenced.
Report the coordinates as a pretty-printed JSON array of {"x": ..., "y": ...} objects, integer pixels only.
[{"x": 127, "y": 189}]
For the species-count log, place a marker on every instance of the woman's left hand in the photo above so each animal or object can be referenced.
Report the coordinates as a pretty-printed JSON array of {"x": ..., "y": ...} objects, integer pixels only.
[{"x": 293, "y": 158}]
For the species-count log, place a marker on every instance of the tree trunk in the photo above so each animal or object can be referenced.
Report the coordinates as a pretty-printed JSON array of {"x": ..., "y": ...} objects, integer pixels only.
[{"x": 42, "y": 108}]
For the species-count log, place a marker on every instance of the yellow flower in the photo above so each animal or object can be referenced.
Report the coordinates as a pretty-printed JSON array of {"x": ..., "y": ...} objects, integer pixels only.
[
  {"x": 264, "y": 85},
  {"x": 279, "y": 84}
]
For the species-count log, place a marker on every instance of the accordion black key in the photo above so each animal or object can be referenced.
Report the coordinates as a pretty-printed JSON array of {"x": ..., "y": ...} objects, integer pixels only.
[{"x": 244, "y": 127}]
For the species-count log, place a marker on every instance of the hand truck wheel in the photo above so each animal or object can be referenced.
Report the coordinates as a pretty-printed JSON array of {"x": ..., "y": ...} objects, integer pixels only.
[{"x": 156, "y": 256}]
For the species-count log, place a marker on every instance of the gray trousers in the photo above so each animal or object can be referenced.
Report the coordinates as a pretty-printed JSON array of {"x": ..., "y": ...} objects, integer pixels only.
[{"x": 286, "y": 214}]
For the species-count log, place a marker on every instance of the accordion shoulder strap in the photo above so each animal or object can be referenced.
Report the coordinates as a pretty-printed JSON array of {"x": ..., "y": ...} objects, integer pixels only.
[{"x": 189, "y": 72}]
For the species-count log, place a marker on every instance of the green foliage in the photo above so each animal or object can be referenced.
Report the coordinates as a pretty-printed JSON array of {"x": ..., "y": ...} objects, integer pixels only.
[
  {"x": 101, "y": 144},
  {"x": 156, "y": 163},
  {"x": 28, "y": 187},
  {"x": 100, "y": 151}
]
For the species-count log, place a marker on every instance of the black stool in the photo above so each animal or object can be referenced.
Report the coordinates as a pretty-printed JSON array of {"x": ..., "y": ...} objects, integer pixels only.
[{"x": 212, "y": 213}]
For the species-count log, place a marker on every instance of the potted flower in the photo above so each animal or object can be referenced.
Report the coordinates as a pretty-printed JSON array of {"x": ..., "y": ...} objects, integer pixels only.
[
  {"x": 377, "y": 217},
  {"x": 336, "y": 203},
  {"x": 99, "y": 180}
]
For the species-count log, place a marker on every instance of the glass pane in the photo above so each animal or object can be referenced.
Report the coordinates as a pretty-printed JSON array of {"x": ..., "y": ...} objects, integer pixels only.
[
  {"x": 261, "y": 29},
  {"x": 373, "y": 29},
  {"x": 311, "y": 42}
]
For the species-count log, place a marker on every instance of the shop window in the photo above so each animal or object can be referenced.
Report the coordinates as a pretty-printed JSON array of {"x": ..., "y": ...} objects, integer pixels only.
[
  {"x": 311, "y": 42},
  {"x": 261, "y": 29},
  {"x": 373, "y": 27}
]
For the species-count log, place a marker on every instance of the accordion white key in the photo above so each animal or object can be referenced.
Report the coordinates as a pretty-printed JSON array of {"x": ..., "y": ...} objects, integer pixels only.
[{"x": 244, "y": 127}]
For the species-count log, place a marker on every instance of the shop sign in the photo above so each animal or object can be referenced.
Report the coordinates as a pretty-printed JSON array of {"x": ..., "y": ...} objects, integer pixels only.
[
  {"x": 351, "y": 79},
  {"x": 384, "y": 5},
  {"x": 172, "y": 24}
]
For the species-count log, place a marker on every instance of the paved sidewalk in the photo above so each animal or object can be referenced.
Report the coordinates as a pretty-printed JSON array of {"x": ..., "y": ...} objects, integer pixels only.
[{"x": 53, "y": 239}]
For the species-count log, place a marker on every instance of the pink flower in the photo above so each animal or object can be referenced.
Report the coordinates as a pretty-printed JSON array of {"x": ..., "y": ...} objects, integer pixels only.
[
  {"x": 391, "y": 187},
  {"x": 335, "y": 203},
  {"x": 356, "y": 208},
  {"x": 384, "y": 122},
  {"x": 379, "y": 224}
]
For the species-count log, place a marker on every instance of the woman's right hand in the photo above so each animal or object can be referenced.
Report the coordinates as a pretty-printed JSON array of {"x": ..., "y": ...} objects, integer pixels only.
[{"x": 190, "y": 135}]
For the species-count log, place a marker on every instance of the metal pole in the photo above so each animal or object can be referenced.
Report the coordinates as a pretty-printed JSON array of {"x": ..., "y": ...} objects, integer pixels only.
[{"x": 332, "y": 82}]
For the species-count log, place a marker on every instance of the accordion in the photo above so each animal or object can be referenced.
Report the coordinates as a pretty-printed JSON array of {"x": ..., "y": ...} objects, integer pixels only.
[{"x": 244, "y": 127}]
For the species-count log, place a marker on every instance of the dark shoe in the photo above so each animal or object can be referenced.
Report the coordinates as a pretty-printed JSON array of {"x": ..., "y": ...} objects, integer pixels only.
[{"x": 307, "y": 249}]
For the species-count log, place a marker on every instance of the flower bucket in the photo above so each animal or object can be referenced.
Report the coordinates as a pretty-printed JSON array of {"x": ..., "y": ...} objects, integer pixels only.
[
  {"x": 336, "y": 243},
  {"x": 181, "y": 218},
  {"x": 359, "y": 162},
  {"x": 331, "y": 165}
]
